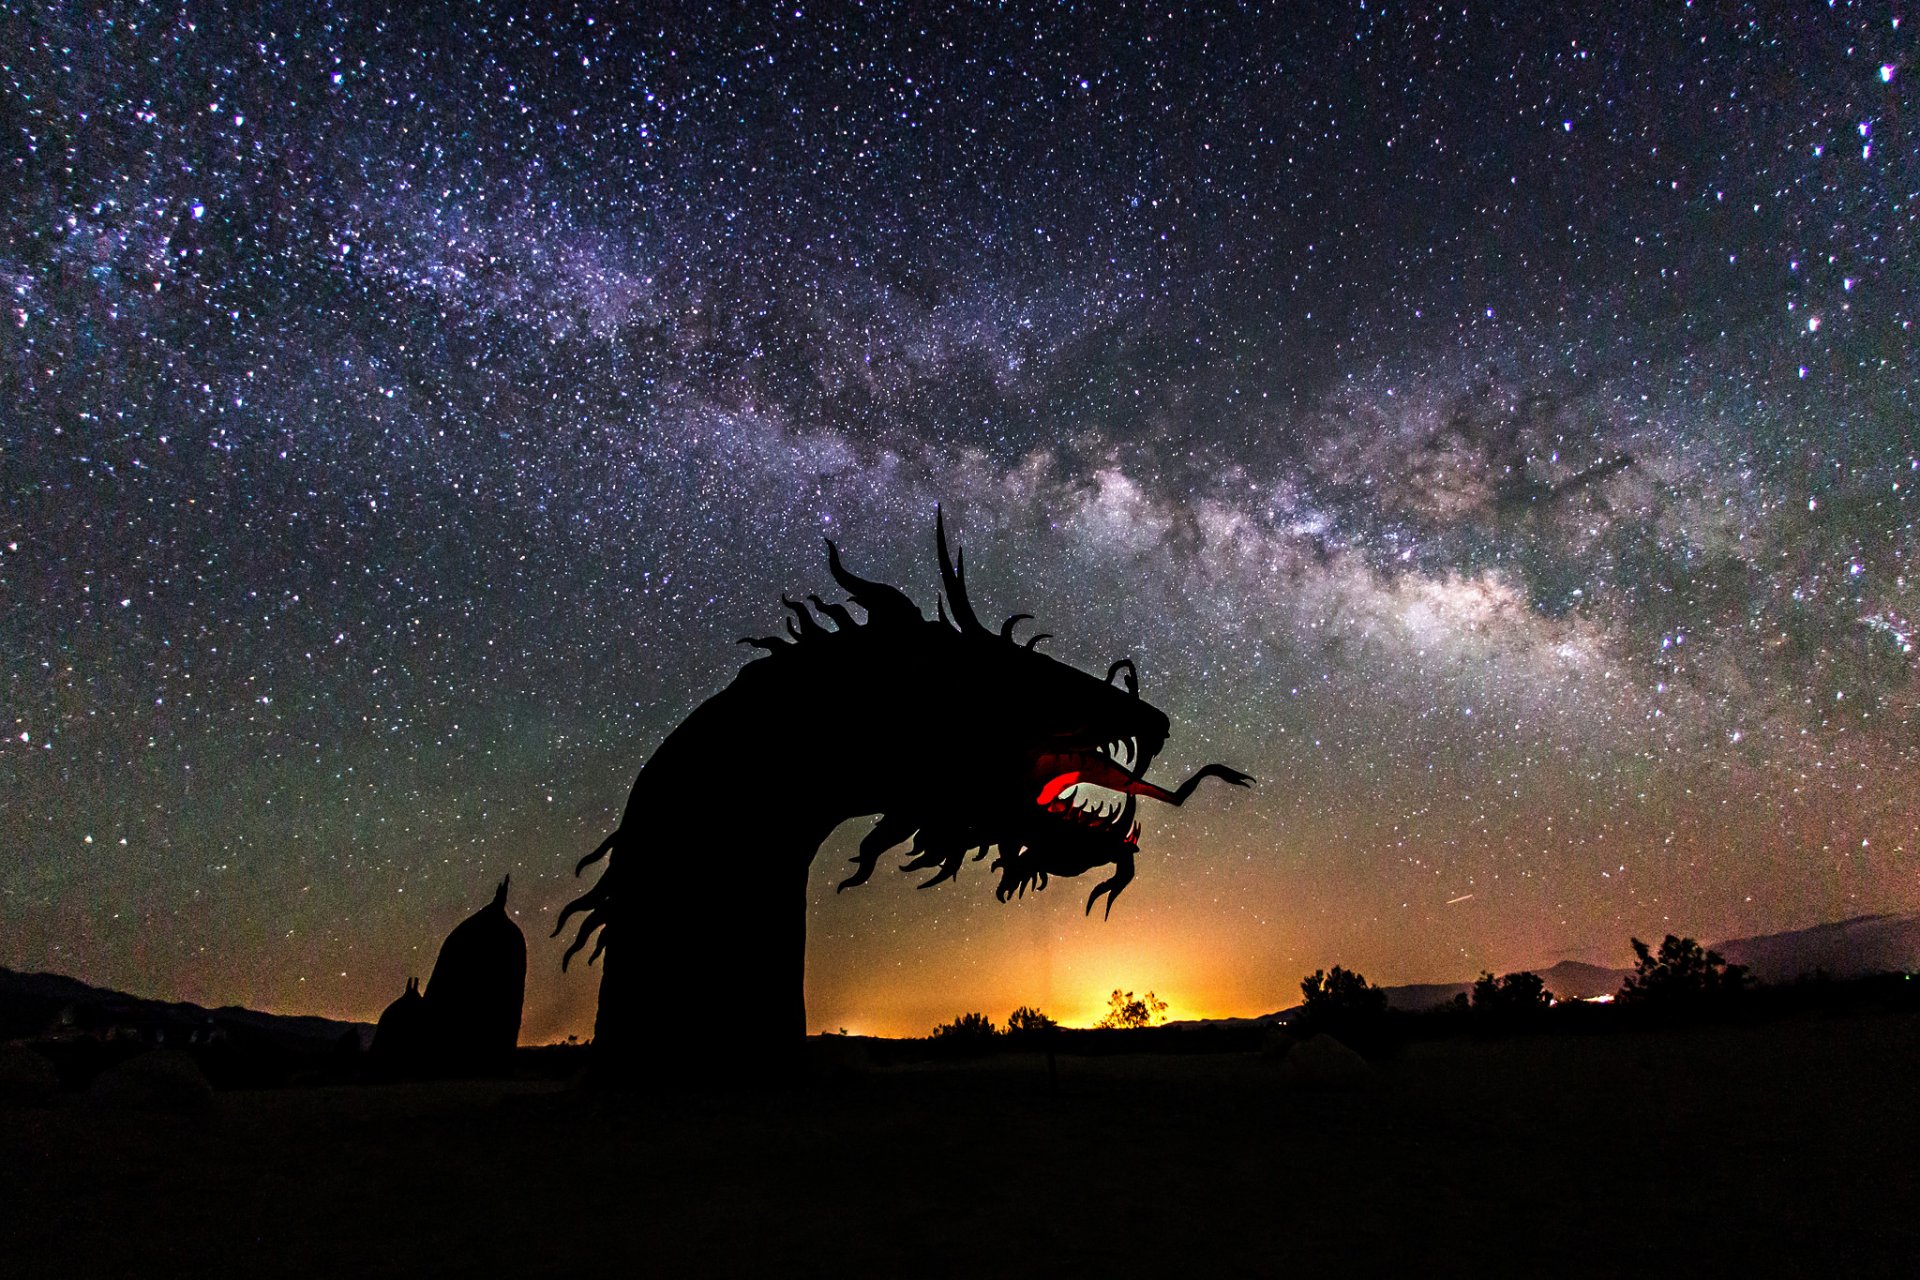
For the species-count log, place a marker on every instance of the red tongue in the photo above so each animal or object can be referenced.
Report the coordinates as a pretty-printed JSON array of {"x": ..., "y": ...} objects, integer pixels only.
[{"x": 1102, "y": 773}]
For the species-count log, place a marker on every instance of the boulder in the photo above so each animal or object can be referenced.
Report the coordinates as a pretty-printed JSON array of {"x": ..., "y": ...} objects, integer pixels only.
[
  {"x": 1322, "y": 1064},
  {"x": 478, "y": 986},
  {"x": 401, "y": 1037},
  {"x": 164, "y": 1080}
]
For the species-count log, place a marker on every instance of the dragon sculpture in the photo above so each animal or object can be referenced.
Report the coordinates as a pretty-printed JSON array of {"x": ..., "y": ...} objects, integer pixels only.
[{"x": 959, "y": 737}]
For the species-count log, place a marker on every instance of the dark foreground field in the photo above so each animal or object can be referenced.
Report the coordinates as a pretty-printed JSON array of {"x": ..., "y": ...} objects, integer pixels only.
[{"x": 1787, "y": 1148}]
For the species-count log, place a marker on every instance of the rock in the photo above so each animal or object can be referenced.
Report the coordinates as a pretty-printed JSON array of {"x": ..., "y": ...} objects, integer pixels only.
[
  {"x": 1324, "y": 1065},
  {"x": 477, "y": 988},
  {"x": 27, "y": 1079},
  {"x": 165, "y": 1080},
  {"x": 401, "y": 1039}
]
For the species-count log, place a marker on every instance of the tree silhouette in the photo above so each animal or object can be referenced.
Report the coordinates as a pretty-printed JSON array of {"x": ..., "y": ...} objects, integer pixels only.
[
  {"x": 1127, "y": 1012},
  {"x": 1342, "y": 993},
  {"x": 1515, "y": 995},
  {"x": 1680, "y": 974},
  {"x": 968, "y": 1028},
  {"x": 1342, "y": 1004},
  {"x": 1027, "y": 1020}
]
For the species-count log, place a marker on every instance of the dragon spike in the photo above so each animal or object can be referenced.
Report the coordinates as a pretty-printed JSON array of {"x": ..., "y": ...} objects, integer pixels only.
[
  {"x": 595, "y": 919},
  {"x": 808, "y": 626},
  {"x": 1006, "y": 628},
  {"x": 882, "y": 602},
  {"x": 598, "y": 853},
  {"x": 769, "y": 643},
  {"x": 1133, "y": 676},
  {"x": 1111, "y": 886},
  {"x": 837, "y": 613},
  {"x": 953, "y": 579},
  {"x": 1034, "y": 640}
]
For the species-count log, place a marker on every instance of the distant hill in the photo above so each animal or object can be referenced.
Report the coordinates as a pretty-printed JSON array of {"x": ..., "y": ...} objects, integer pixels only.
[
  {"x": 33, "y": 1005},
  {"x": 1843, "y": 949}
]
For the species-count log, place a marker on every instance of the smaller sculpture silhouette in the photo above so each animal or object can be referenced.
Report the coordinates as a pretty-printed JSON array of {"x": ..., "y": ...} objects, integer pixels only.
[
  {"x": 468, "y": 1020},
  {"x": 400, "y": 1038}
]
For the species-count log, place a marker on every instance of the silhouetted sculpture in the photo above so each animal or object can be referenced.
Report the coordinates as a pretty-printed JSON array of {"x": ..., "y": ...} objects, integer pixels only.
[
  {"x": 469, "y": 1019},
  {"x": 401, "y": 1038},
  {"x": 478, "y": 985},
  {"x": 958, "y": 736}
]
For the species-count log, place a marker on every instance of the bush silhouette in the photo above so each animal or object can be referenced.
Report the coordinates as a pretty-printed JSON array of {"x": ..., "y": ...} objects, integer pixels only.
[
  {"x": 1517, "y": 995},
  {"x": 1682, "y": 974},
  {"x": 1341, "y": 1003},
  {"x": 969, "y": 1030},
  {"x": 1126, "y": 1012},
  {"x": 1342, "y": 993},
  {"x": 1027, "y": 1021}
]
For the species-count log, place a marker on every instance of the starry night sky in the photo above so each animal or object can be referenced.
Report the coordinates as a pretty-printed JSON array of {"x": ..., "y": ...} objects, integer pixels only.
[{"x": 1493, "y": 427}]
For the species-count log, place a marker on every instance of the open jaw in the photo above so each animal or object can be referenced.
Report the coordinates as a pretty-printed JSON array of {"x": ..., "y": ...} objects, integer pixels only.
[
  {"x": 1097, "y": 788},
  {"x": 1093, "y": 790}
]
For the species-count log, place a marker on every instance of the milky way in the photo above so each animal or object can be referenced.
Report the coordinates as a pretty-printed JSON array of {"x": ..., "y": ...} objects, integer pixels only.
[{"x": 1493, "y": 428}]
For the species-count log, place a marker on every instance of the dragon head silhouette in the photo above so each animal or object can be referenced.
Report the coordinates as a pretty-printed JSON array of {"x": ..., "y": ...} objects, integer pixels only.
[{"x": 1022, "y": 753}]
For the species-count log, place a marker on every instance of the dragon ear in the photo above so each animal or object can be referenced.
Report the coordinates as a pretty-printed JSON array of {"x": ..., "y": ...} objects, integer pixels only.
[
  {"x": 953, "y": 579},
  {"x": 1133, "y": 676},
  {"x": 882, "y": 602}
]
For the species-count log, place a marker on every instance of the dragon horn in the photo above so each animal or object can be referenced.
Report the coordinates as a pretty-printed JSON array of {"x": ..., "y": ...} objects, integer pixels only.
[
  {"x": 882, "y": 602},
  {"x": 953, "y": 578}
]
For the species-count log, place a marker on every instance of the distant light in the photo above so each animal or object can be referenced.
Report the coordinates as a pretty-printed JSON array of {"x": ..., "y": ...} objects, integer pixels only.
[
  {"x": 1886, "y": 73},
  {"x": 1813, "y": 324}
]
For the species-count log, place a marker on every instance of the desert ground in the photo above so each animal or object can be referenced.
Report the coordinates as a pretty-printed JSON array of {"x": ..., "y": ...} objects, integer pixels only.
[{"x": 1784, "y": 1148}]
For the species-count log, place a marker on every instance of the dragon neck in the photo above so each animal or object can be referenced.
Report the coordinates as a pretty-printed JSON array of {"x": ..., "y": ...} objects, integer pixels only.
[{"x": 777, "y": 759}]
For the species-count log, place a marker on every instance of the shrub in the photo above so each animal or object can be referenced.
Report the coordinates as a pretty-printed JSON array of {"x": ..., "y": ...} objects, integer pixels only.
[
  {"x": 1342, "y": 993},
  {"x": 1516, "y": 996},
  {"x": 1127, "y": 1012},
  {"x": 1029, "y": 1021},
  {"x": 1342, "y": 1004},
  {"x": 974, "y": 1029},
  {"x": 1681, "y": 974}
]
